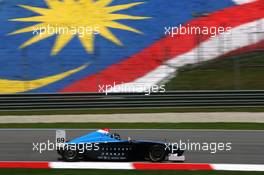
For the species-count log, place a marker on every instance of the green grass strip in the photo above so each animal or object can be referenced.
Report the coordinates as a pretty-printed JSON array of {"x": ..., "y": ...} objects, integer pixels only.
[
  {"x": 220, "y": 126},
  {"x": 242, "y": 72}
]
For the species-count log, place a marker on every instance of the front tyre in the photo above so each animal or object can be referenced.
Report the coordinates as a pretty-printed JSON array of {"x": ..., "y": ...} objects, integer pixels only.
[
  {"x": 157, "y": 153},
  {"x": 70, "y": 155}
]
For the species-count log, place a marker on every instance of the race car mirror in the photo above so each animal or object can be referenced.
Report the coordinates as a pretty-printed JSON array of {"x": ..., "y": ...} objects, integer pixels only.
[{"x": 60, "y": 136}]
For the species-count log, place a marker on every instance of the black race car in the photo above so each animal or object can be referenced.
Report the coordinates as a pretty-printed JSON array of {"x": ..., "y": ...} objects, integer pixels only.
[{"x": 101, "y": 145}]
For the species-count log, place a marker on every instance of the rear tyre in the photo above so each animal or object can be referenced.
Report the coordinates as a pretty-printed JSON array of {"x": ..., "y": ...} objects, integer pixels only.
[
  {"x": 157, "y": 153},
  {"x": 70, "y": 155}
]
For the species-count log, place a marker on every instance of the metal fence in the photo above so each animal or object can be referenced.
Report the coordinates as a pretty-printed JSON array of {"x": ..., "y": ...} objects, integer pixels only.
[{"x": 177, "y": 99}]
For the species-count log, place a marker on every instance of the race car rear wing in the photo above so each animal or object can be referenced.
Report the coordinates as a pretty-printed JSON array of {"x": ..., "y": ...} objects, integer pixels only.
[{"x": 60, "y": 136}]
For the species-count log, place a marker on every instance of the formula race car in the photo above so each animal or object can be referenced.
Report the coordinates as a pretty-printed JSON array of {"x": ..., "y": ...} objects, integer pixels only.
[{"x": 101, "y": 145}]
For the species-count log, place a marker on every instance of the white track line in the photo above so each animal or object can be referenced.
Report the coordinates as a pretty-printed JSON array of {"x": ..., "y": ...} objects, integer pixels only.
[
  {"x": 91, "y": 165},
  {"x": 130, "y": 166},
  {"x": 237, "y": 167}
]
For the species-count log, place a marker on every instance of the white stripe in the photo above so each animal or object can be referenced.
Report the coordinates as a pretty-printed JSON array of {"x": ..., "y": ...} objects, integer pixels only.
[
  {"x": 241, "y": 36},
  {"x": 237, "y": 167},
  {"x": 91, "y": 165},
  {"x": 243, "y": 1}
]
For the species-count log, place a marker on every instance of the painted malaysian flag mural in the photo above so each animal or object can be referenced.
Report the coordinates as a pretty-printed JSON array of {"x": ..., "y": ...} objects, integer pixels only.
[{"x": 55, "y": 46}]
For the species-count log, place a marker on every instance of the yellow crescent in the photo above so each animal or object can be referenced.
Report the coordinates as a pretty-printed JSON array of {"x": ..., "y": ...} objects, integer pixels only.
[{"x": 16, "y": 86}]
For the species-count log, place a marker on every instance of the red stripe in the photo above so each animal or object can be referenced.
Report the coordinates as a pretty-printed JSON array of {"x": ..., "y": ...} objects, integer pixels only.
[
  {"x": 150, "y": 58},
  {"x": 32, "y": 165},
  {"x": 171, "y": 166}
]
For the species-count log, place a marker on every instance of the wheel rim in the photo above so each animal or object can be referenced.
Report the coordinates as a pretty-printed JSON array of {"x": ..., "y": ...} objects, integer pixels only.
[
  {"x": 70, "y": 154},
  {"x": 157, "y": 154}
]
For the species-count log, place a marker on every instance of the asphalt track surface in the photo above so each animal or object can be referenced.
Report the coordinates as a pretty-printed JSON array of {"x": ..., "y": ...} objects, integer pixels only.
[{"x": 247, "y": 146}]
